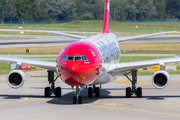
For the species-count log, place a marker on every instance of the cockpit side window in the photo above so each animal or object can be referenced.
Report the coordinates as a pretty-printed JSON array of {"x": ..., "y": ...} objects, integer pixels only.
[
  {"x": 65, "y": 58},
  {"x": 84, "y": 58}
]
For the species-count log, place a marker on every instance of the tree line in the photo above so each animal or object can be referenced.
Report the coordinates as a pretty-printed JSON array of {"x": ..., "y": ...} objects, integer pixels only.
[{"x": 34, "y": 10}]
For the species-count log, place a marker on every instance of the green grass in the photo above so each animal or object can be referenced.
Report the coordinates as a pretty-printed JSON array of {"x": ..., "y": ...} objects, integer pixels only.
[
  {"x": 5, "y": 67},
  {"x": 138, "y": 58},
  {"x": 150, "y": 52},
  {"x": 16, "y": 38},
  {"x": 150, "y": 48},
  {"x": 25, "y": 33},
  {"x": 134, "y": 48},
  {"x": 116, "y": 27}
]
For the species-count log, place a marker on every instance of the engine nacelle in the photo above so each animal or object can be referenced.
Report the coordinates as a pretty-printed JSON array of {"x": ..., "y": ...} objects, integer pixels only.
[
  {"x": 16, "y": 78},
  {"x": 160, "y": 79}
]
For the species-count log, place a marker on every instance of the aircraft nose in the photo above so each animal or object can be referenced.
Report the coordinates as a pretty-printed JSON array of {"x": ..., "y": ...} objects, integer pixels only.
[
  {"x": 73, "y": 66},
  {"x": 76, "y": 73}
]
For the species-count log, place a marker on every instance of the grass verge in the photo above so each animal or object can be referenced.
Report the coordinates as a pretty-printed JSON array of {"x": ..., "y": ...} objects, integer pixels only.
[
  {"x": 125, "y": 28},
  {"x": 16, "y": 38},
  {"x": 134, "y": 48}
]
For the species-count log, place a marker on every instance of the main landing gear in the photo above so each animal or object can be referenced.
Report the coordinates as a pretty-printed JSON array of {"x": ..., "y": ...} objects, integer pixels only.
[
  {"x": 133, "y": 90},
  {"x": 48, "y": 91},
  {"x": 95, "y": 90},
  {"x": 77, "y": 98}
]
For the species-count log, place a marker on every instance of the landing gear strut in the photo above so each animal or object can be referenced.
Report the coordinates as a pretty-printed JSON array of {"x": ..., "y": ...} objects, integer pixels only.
[
  {"x": 133, "y": 90},
  {"x": 77, "y": 98},
  {"x": 95, "y": 90},
  {"x": 50, "y": 90}
]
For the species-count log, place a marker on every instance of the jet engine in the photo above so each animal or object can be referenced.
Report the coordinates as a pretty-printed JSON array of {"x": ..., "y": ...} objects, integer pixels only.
[
  {"x": 16, "y": 78},
  {"x": 160, "y": 79}
]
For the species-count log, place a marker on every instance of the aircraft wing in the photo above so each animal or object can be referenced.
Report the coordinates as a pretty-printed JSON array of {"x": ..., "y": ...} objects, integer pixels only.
[
  {"x": 65, "y": 34},
  {"x": 31, "y": 62},
  {"x": 119, "y": 68},
  {"x": 141, "y": 36}
]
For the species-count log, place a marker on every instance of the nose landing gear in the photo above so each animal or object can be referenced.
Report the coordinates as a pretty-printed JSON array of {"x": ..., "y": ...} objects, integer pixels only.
[{"x": 77, "y": 98}]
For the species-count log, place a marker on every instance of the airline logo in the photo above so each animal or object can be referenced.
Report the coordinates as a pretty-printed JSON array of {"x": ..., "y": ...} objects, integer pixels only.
[{"x": 108, "y": 5}]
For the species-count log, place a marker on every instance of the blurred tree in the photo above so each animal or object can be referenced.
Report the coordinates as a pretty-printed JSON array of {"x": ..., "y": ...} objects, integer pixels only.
[
  {"x": 27, "y": 10},
  {"x": 116, "y": 10},
  {"x": 61, "y": 9},
  {"x": 130, "y": 11},
  {"x": 32, "y": 12},
  {"x": 87, "y": 9},
  {"x": 97, "y": 9},
  {"x": 43, "y": 10},
  {"x": 83, "y": 10},
  {"x": 8, "y": 10},
  {"x": 21, "y": 9},
  {"x": 173, "y": 8},
  {"x": 68, "y": 10},
  {"x": 122, "y": 10},
  {"x": 160, "y": 7},
  {"x": 146, "y": 9}
]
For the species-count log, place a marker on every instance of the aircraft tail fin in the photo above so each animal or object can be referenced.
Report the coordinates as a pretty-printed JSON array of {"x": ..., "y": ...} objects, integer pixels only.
[{"x": 106, "y": 17}]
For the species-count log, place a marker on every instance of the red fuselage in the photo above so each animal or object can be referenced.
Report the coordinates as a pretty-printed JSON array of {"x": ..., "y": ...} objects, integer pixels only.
[{"x": 79, "y": 63}]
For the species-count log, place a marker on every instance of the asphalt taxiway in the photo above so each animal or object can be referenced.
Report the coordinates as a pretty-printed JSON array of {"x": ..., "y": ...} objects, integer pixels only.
[
  {"x": 29, "y": 103},
  {"x": 39, "y": 40}
]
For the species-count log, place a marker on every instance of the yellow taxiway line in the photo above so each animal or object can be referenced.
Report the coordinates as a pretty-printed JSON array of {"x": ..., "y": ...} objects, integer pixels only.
[{"x": 130, "y": 82}]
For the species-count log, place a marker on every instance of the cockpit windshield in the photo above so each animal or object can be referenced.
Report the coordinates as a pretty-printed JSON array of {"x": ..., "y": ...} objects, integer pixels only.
[{"x": 75, "y": 58}]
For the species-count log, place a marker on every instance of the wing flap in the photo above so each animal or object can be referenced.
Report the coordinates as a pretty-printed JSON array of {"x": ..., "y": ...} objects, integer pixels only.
[
  {"x": 36, "y": 63},
  {"x": 119, "y": 68}
]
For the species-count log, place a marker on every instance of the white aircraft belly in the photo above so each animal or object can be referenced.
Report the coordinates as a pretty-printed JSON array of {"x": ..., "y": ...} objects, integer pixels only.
[{"x": 104, "y": 78}]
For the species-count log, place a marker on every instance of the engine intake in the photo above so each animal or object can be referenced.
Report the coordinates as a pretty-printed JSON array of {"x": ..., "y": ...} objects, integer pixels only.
[
  {"x": 16, "y": 78},
  {"x": 160, "y": 79}
]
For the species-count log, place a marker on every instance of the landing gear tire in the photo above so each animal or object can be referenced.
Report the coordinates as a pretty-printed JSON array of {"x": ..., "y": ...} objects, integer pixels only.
[
  {"x": 47, "y": 92},
  {"x": 58, "y": 92},
  {"x": 97, "y": 92},
  {"x": 90, "y": 92},
  {"x": 139, "y": 92},
  {"x": 80, "y": 99},
  {"x": 74, "y": 100},
  {"x": 128, "y": 92}
]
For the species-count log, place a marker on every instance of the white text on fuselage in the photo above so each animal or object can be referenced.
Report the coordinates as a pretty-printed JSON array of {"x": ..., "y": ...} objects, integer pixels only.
[{"x": 110, "y": 51}]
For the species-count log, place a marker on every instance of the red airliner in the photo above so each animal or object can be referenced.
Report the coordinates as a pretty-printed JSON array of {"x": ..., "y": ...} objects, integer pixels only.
[{"x": 91, "y": 62}]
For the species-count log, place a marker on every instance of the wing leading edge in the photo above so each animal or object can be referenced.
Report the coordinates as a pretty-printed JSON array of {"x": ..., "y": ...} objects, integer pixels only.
[
  {"x": 36, "y": 63},
  {"x": 141, "y": 36},
  {"x": 119, "y": 68},
  {"x": 65, "y": 34}
]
